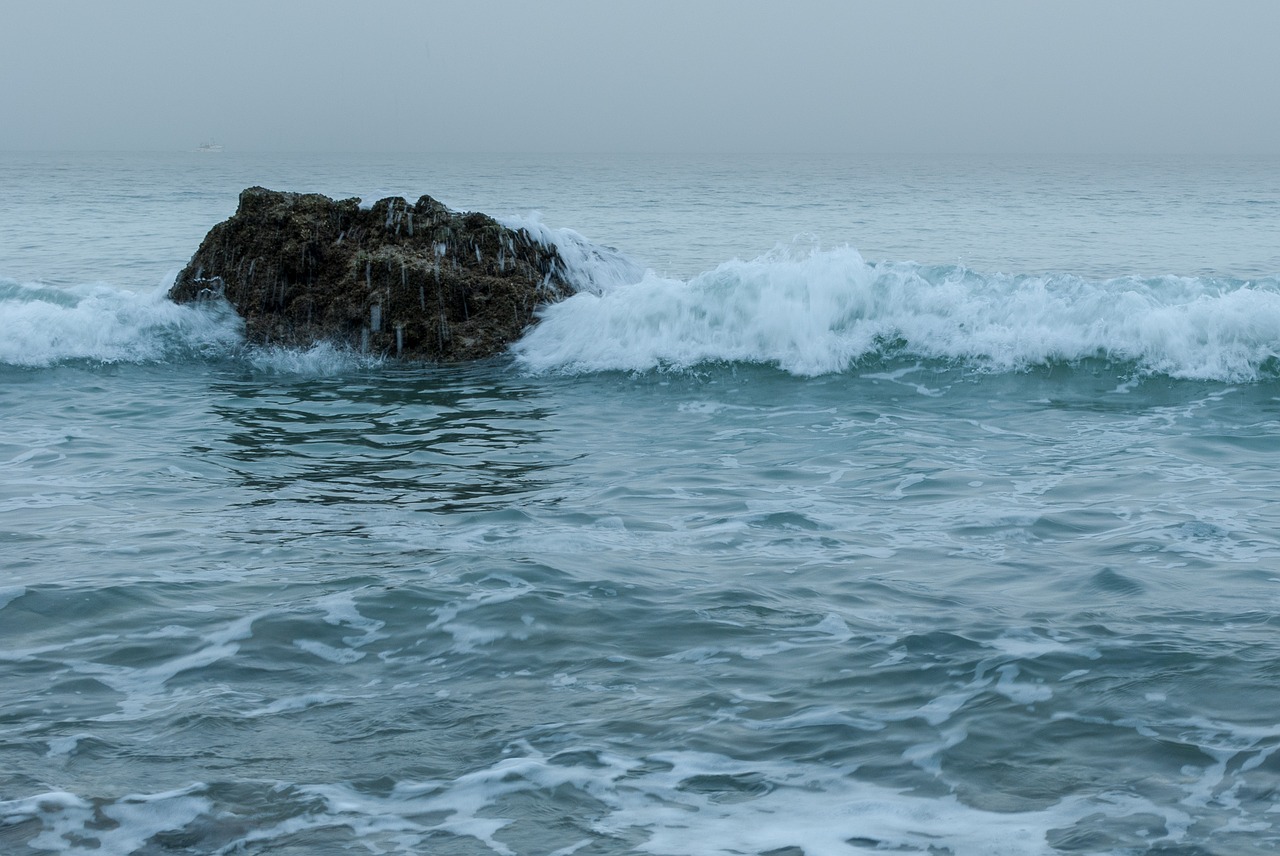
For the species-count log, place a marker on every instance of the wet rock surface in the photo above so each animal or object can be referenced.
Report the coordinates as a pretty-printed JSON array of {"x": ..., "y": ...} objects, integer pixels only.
[{"x": 414, "y": 281}]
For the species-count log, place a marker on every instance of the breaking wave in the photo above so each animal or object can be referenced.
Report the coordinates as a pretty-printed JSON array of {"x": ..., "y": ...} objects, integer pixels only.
[
  {"x": 806, "y": 311},
  {"x": 99, "y": 324},
  {"x": 823, "y": 311},
  {"x": 46, "y": 325}
]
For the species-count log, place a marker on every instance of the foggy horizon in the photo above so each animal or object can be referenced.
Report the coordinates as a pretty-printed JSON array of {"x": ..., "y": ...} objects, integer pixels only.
[{"x": 569, "y": 76}]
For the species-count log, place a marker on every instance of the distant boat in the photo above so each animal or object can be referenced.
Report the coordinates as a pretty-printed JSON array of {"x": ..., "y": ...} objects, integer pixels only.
[{"x": 209, "y": 147}]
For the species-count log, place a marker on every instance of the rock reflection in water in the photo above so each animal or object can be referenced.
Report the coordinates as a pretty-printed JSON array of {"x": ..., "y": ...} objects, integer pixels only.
[{"x": 433, "y": 440}]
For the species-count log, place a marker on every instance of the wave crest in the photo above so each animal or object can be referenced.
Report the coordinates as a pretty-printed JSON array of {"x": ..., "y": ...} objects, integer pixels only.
[
  {"x": 825, "y": 311},
  {"x": 806, "y": 311},
  {"x": 44, "y": 326}
]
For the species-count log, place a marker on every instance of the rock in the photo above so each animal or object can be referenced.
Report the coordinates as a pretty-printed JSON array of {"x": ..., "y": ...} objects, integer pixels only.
[{"x": 419, "y": 282}]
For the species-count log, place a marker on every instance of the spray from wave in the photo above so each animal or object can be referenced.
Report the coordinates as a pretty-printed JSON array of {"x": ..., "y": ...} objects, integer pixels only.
[
  {"x": 824, "y": 311},
  {"x": 806, "y": 311},
  {"x": 99, "y": 324},
  {"x": 588, "y": 266},
  {"x": 44, "y": 326}
]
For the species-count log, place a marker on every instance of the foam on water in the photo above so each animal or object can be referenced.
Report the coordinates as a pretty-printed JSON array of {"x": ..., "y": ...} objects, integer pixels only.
[
  {"x": 818, "y": 312},
  {"x": 808, "y": 312},
  {"x": 145, "y": 687},
  {"x": 665, "y": 803},
  {"x": 74, "y": 825},
  {"x": 323, "y": 359},
  {"x": 45, "y": 326},
  {"x": 590, "y": 267}
]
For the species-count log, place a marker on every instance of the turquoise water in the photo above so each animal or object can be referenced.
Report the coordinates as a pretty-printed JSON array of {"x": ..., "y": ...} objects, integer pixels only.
[{"x": 964, "y": 541}]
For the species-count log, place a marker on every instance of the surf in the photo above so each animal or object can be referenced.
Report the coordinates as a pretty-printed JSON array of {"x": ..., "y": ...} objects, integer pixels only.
[
  {"x": 100, "y": 323},
  {"x": 804, "y": 310},
  {"x": 814, "y": 312}
]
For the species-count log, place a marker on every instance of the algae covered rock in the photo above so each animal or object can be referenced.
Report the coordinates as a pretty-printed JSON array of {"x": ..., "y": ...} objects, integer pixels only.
[{"x": 414, "y": 281}]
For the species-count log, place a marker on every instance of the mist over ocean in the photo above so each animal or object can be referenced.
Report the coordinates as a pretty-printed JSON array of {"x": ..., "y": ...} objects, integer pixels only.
[{"x": 855, "y": 505}]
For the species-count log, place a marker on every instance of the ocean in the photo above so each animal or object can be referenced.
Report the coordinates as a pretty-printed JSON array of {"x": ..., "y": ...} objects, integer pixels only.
[{"x": 855, "y": 505}]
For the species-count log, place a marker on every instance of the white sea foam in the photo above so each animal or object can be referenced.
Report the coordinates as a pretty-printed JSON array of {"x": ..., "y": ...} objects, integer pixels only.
[
  {"x": 341, "y": 610},
  {"x": 589, "y": 267},
  {"x": 44, "y": 326},
  {"x": 293, "y": 704},
  {"x": 467, "y": 637},
  {"x": 73, "y": 825},
  {"x": 61, "y": 747},
  {"x": 341, "y": 656},
  {"x": 808, "y": 312},
  {"x": 656, "y": 805},
  {"x": 1026, "y": 644},
  {"x": 823, "y": 311},
  {"x": 145, "y": 686},
  {"x": 322, "y": 359},
  {"x": 1020, "y": 692}
]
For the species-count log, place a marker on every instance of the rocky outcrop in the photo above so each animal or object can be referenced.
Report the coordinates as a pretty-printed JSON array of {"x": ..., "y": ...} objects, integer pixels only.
[{"x": 416, "y": 281}]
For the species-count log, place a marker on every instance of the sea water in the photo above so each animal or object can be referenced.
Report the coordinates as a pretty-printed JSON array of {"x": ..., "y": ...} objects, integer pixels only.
[{"x": 855, "y": 505}]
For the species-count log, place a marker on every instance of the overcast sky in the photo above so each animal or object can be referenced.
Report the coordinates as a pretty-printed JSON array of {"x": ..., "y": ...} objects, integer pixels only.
[{"x": 652, "y": 75}]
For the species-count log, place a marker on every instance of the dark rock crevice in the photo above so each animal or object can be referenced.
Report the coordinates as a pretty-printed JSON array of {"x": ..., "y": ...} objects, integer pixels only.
[{"x": 418, "y": 282}]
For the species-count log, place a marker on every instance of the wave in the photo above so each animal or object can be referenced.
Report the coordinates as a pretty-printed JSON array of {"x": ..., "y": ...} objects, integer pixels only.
[
  {"x": 45, "y": 326},
  {"x": 588, "y": 266},
  {"x": 48, "y": 325},
  {"x": 806, "y": 311},
  {"x": 824, "y": 311}
]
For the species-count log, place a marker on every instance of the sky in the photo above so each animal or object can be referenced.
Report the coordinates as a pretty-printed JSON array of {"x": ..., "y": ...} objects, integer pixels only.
[{"x": 915, "y": 76}]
